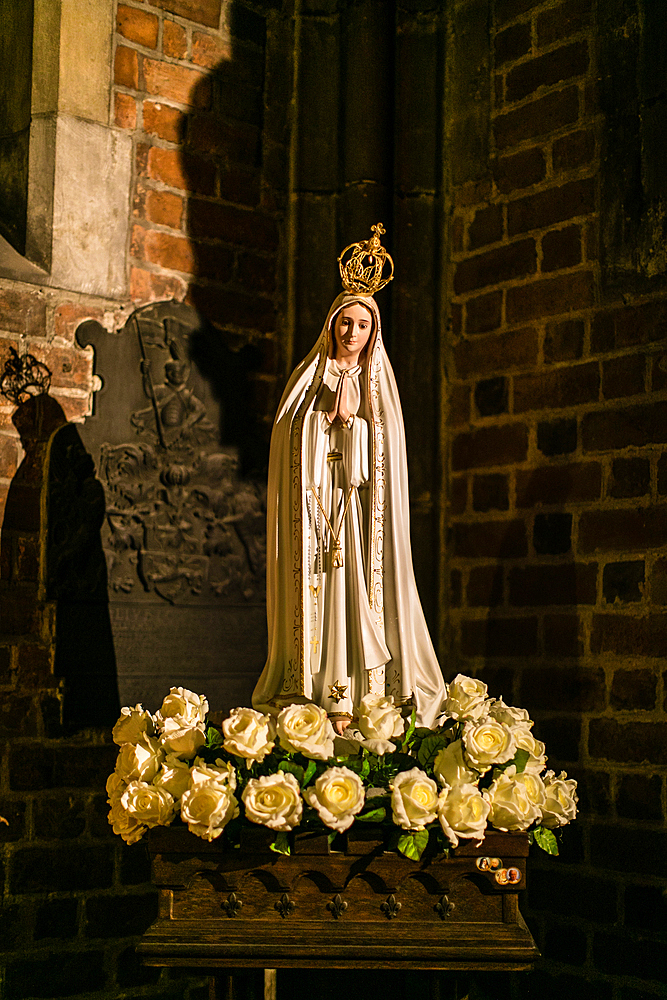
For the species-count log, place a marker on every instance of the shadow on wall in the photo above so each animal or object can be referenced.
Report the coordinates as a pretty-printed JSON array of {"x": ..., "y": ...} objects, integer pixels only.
[
  {"x": 55, "y": 505},
  {"x": 233, "y": 238}
]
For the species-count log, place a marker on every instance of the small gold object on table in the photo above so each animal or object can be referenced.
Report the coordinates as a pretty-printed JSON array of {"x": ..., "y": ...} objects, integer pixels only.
[{"x": 345, "y": 905}]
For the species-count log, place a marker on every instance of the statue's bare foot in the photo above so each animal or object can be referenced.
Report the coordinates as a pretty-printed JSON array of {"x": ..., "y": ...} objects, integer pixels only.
[{"x": 340, "y": 725}]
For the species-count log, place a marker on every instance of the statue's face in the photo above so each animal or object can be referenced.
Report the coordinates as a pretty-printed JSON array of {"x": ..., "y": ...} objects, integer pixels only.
[{"x": 352, "y": 329}]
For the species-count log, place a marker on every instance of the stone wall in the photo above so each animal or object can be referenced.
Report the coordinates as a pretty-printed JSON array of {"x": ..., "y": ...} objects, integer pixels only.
[{"x": 557, "y": 519}]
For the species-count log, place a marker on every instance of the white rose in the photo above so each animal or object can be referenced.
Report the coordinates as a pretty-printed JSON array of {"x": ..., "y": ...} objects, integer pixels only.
[
  {"x": 466, "y": 698},
  {"x": 560, "y": 806},
  {"x": 306, "y": 729},
  {"x": 338, "y": 795},
  {"x": 488, "y": 743},
  {"x": 525, "y": 740},
  {"x": 139, "y": 761},
  {"x": 414, "y": 799},
  {"x": 148, "y": 804},
  {"x": 274, "y": 801},
  {"x": 115, "y": 787},
  {"x": 207, "y": 809},
  {"x": 463, "y": 812},
  {"x": 511, "y": 806},
  {"x": 124, "y": 825},
  {"x": 174, "y": 776},
  {"x": 511, "y": 716},
  {"x": 221, "y": 772},
  {"x": 182, "y": 741},
  {"x": 451, "y": 768},
  {"x": 133, "y": 723},
  {"x": 248, "y": 733},
  {"x": 379, "y": 720},
  {"x": 534, "y": 786},
  {"x": 184, "y": 707}
]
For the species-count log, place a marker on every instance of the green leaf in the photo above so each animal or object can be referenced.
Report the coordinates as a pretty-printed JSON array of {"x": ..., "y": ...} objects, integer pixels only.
[
  {"x": 213, "y": 737},
  {"x": 546, "y": 840},
  {"x": 310, "y": 771},
  {"x": 429, "y": 748},
  {"x": 411, "y": 728},
  {"x": 281, "y": 844},
  {"x": 374, "y": 816},
  {"x": 290, "y": 768},
  {"x": 422, "y": 733},
  {"x": 521, "y": 758},
  {"x": 413, "y": 845}
]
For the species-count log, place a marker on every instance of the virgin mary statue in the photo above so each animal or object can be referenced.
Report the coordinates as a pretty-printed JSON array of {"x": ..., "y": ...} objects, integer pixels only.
[{"x": 344, "y": 615}]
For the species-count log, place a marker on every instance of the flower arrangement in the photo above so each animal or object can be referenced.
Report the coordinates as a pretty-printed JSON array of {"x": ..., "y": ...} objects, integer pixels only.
[{"x": 480, "y": 767}]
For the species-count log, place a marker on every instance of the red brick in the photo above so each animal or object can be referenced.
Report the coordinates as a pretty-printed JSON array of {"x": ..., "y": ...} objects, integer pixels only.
[
  {"x": 8, "y": 456},
  {"x": 240, "y": 186},
  {"x": 69, "y": 367},
  {"x": 472, "y": 193},
  {"x": 486, "y": 227},
  {"x": 23, "y": 313},
  {"x": 490, "y": 492},
  {"x": 125, "y": 111},
  {"x": 126, "y": 69},
  {"x": 458, "y": 496},
  {"x": 209, "y": 50},
  {"x": 567, "y": 583},
  {"x": 561, "y": 248},
  {"x": 232, "y": 225},
  {"x": 515, "y": 260},
  {"x": 537, "y": 118},
  {"x": 232, "y": 309},
  {"x": 641, "y": 528},
  {"x": 237, "y": 141},
  {"x": 456, "y": 318},
  {"x": 508, "y": 10},
  {"x": 544, "y": 71},
  {"x": 659, "y": 373},
  {"x": 164, "y": 208},
  {"x": 498, "y": 89},
  {"x": 546, "y": 208},
  {"x": 572, "y": 689},
  {"x": 521, "y": 170},
  {"x": 485, "y": 587},
  {"x": 175, "y": 169},
  {"x": 177, "y": 83},
  {"x": 633, "y": 690},
  {"x": 573, "y": 150},
  {"x": 557, "y": 388},
  {"x": 35, "y": 663},
  {"x": 215, "y": 262},
  {"x": 489, "y": 446},
  {"x": 172, "y": 252},
  {"x": 557, "y": 484},
  {"x": 258, "y": 273},
  {"x": 489, "y": 540},
  {"x": 457, "y": 234},
  {"x": 484, "y": 313},
  {"x": 137, "y": 26},
  {"x": 563, "y": 341},
  {"x": 163, "y": 121},
  {"x": 174, "y": 40},
  {"x": 643, "y": 324},
  {"x": 563, "y": 635},
  {"x": 202, "y": 11},
  {"x": 499, "y": 637},
  {"x": 512, "y": 43},
  {"x": 633, "y": 426},
  {"x": 630, "y": 742},
  {"x": 146, "y": 286},
  {"x": 70, "y": 315},
  {"x": 624, "y": 376},
  {"x": 550, "y": 296},
  {"x": 454, "y": 592},
  {"x": 561, "y": 22},
  {"x": 496, "y": 353},
  {"x": 459, "y": 405}
]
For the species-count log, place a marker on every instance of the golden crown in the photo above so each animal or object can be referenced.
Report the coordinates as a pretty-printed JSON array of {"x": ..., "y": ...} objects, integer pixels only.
[{"x": 362, "y": 264}]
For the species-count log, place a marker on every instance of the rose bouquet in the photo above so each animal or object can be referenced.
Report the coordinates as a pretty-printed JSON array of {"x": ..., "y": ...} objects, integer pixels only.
[{"x": 480, "y": 767}]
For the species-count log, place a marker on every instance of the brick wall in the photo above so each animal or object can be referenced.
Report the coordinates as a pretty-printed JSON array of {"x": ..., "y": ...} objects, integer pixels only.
[
  {"x": 557, "y": 512},
  {"x": 200, "y": 85}
]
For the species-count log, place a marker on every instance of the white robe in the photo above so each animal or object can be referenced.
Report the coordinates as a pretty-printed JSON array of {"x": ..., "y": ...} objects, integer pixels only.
[{"x": 364, "y": 629}]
